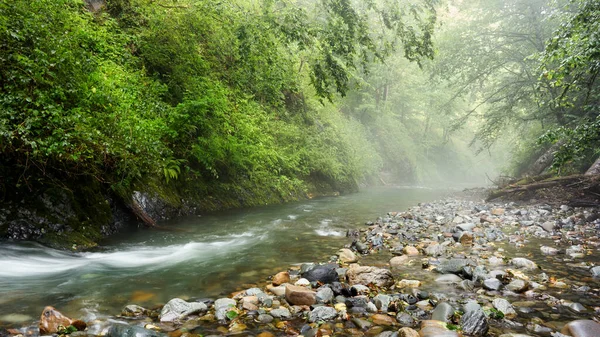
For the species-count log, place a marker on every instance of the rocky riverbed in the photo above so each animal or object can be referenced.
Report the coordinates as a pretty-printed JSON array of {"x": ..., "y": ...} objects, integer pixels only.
[{"x": 447, "y": 268}]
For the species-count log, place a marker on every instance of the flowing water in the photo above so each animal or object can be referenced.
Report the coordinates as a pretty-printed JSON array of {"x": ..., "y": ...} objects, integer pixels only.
[{"x": 193, "y": 257}]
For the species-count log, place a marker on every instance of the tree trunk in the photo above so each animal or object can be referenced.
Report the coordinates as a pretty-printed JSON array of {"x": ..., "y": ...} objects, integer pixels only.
[
  {"x": 594, "y": 169},
  {"x": 543, "y": 162}
]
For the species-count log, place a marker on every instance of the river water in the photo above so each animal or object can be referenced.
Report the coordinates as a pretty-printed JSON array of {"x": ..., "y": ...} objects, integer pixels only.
[{"x": 194, "y": 257}]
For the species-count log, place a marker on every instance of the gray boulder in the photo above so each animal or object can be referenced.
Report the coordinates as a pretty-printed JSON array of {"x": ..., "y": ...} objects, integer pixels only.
[
  {"x": 322, "y": 314},
  {"x": 517, "y": 286},
  {"x": 323, "y": 274},
  {"x": 178, "y": 309},
  {"x": 582, "y": 328},
  {"x": 370, "y": 275},
  {"x": 442, "y": 312},
  {"x": 453, "y": 266},
  {"x": 324, "y": 295},
  {"x": 222, "y": 306},
  {"x": 281, "y": 313},
  {"x": 504, "y": 307},
  {"x": 492, "y": 284},
  {"x": 124, "y": 330},
  {"x": 521, "y": 262},
  {"x": 474, "y": 321}
]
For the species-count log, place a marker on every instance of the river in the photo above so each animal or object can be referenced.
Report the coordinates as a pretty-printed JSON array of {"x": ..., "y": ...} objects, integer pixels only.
[{"x": 194, "y": 257}]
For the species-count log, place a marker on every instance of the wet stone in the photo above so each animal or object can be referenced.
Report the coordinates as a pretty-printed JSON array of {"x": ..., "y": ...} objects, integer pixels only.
[
  {"x": 399, "y": 261},
  {"x": 133, "y": 310},
  {"x": 595, "y": 271},
  {"x": 474, "y": 321},
  {"x": 492, "y": 284},
  {"x": 410, "y": 251},
  {"x": 281, "y": 278},
  {"x": 51, "y": 319},
  {"x": 264, "y": 318},
  {"x": 431, "y": 328},
  {"x": 370, "y": 275},
  {"x": 222, "y": 306},
  {"x": 524, "y": 263},
  {"x": 517, "y": 286},
  {"x": 582, "y": 328},
  {"x": 299, "y": 295},
  {"x": 448, "y": 279},
  {"x": 408, "y": 284},
  {"x": 407, "y": 332},
  {"x": 548, "y": 250},
  {"x": 324, "y": 295},
  {"x": 405, "y": 319},
  {"x": 323, "y": 274},
  {"x": 360, "y": 302},
  {"x": 360, "y": 323},
  {"x": 359, "y": 289},
  {"x": 382, "y": 302},
  {"x": 123, "y": 330},
  {"x": 452, "y": 266},
  {"x": 381, "y": 319},
  {"x": 442, "y": 312},
  {"x": 388, "y": 334},
  {"x": 178, "y": 309},
  {"x": 281, "y": 313},
  {"x": 435, "y": 250},
  {"x": 504, "y": 307},
  {"x": 371, "y": 307},
  {"x": 345, "y": 255}
]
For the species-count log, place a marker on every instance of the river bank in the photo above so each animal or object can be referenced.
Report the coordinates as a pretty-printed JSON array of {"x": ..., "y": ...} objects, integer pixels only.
[{"x": 485, "y": 269}]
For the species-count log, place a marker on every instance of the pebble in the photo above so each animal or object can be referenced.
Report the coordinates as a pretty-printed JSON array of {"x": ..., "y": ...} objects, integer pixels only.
[
  {"x": 345, "y": 255},
  {"x": 431, "y": 328},
  {"x": 300, "y": 295},
  {"x": 448, "y": 279},
  {"x": 521, "y": 262},
  {"x": 407, "y": 332},
  {"x": 410, "y": 251},
  {"x": 442, "y": 312},
  {"x": 492, "y": 284},
  {"x": 281, "y": 313},
  {"x": 582, "y": 328},
  {"x": 408, "y": 284},
  {"x": 381, "y": 319},
  {"x": 399, "y": 261},
  {"x": 548, "y": 250},
  {"x": 517, "y": 286},
  {"x": 322, "y": 314},
  {"x": 177, "y": 309},
  {"x": 281, "y": 278},
  {"x": 504, "y": 307}
]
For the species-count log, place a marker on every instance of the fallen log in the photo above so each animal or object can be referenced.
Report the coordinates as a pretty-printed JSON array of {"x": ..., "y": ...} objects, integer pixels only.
[
  {"x": 571, "y": 181},
  {"x": 141, "y": 214}
]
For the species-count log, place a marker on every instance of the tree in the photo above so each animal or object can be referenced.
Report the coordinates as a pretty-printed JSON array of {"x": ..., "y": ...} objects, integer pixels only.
[{"x": 571, "y": 64}]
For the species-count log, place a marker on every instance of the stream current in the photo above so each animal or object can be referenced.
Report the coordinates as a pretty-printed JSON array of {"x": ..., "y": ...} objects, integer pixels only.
[{"x": 194, "y": 257}]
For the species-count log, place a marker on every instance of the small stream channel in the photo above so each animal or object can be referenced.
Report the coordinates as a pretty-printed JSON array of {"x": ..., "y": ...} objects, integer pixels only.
[{"x": 196, "y": 257}]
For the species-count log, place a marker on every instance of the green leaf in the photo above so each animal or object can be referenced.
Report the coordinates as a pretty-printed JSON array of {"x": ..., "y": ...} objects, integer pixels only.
[{"x": 232, "y": 314}]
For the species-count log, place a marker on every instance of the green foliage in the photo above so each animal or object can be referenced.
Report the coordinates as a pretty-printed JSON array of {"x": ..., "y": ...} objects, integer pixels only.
[
  {"x": 62, "y": 331},
  {"x": 193, "y": 100},
  {"x": 571, "y": 64},
  {"x": 231, "y": 314},
  {"x": 494, "y": 313},
  {"x": 453, "y": 327}
]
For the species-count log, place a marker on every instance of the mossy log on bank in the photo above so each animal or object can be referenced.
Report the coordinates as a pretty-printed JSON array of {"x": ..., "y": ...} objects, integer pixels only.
[{"x": 575, "y": 190}]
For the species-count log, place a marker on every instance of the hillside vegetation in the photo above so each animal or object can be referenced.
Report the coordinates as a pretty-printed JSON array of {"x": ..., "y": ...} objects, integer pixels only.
[{"x": 207, "y": 105}]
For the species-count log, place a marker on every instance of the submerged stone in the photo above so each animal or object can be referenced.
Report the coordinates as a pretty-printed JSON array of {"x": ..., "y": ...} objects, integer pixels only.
[
  {"x": 370, "y": 275},
  {"x": 582, "y": 328}
]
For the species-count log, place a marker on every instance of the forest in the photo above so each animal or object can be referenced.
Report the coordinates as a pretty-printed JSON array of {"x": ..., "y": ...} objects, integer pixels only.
[{"x": 209, "y": 105}]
